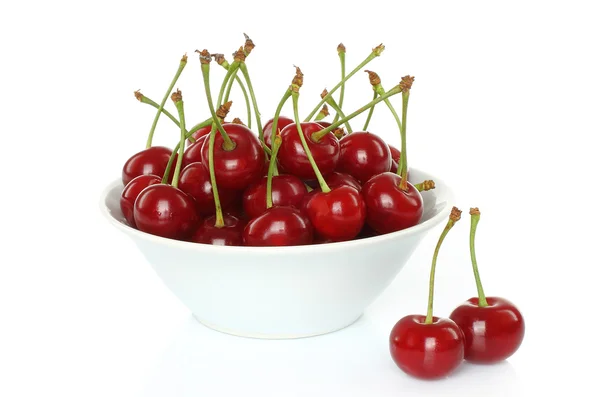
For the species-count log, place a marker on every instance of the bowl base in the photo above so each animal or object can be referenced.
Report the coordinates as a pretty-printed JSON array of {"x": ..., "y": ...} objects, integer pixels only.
[{"x": 271, "y": 336}]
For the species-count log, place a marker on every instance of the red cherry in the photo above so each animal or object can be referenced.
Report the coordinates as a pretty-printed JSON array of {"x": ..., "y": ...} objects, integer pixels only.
[
  {"x": 239, "y": 167},
  {"x": 165, "y": 211},
  {"x": 338, "y": 215},
  {"x": 149, "y": 161},
  {"x": 395, "y": 153},
  {"x": 195, "y": 181},
  {"x": 230, "y": 234},
  {"x": 492, "y": 333},
  {"x": 193, "y": 153},
  {"x": 132, "y": 191},
  {"x": 278, "y": 226},
  {"x": 336, "y": 179},
  {"x": 426, "y": 351},
  {"x": 204, "y": 131},
  {"x": 287, "y": 191},
  {"x": 363, "y": 155},
  {"x": 282, "y": 121},
  {"x": 293, "y": 159},
  {"x": 389, "y": 208}
]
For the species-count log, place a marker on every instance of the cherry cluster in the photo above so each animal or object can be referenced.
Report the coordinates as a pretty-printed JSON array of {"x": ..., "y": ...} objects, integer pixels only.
[
  {"x": 481, "y": 330},
  {"x": 293, "y": 182}
]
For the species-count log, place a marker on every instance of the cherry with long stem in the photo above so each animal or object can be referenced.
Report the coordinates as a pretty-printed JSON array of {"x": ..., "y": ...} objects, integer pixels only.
[
  {"x": 428, "y": 347},
  {"x": 341, "y": 49},
  {"x": 182, "y": 64},
  {"x": 493, "y": 326},
  {"x": 374, "y": 54}
]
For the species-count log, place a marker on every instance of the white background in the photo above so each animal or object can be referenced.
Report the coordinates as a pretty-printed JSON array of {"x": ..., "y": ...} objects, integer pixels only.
[{"x": 504, "y": 108}]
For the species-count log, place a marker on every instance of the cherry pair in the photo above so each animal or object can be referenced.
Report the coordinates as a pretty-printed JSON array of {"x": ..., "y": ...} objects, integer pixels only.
[{"x": 481, "y": 330}]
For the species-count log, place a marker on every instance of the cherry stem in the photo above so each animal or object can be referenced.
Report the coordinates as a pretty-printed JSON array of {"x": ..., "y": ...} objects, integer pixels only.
[
  {"x": 179, "y": 104},
  {"x": 316, "y": 136},
  {"x": 374, "y": 54},
  {"x": 425, "y": 185},
  {"x": 324, "y": 187},
  {"x": 244, "y": 92},
  {"x": 275, "y": 144},
  {"x": 143, "y": 99},
  {"x": 370, "y": 112},
  {"x": 475, "y": 215},
  {"x": 219, "y": 222},
  {"x": 403, "y": 166},
  {"x": 331, "y": 102},
  {"x": 342, "y": 55},
  {"x": 227, "y": 142},
  {"x": 261, "y": 137},
  {"x": 182, "y": 64},
  {"x": 454, "y": 217},
  {"x": 324, "y": 112}
]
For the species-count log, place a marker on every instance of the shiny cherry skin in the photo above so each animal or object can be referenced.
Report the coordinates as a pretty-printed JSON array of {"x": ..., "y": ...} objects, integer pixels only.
[
  {"x": 287, "y": 191},
  {"x": 292, "y": 158},
  {"x": 492, "y": 333},
  {"x": 230, "y": 234},
  {"x": 336, "y": 179},
  {"x": 282, "y": 121},
  {"x": 389, "y": 208},
  {"x": 239, "y": 167},
  {"x": 338, "y": 215},
  {"x": 278, "y": 226},
  {"x": 426, "y": 351},
  {"x": 195, "y": 181},
  {"x": 149, "y": 161},
  {"x": 204, "y": 131},
  {"x": 363, "y": 155},
  {"x": 193, "y": 153},
  {"x": 132, "y": 191},
  {"x": 166, "y": 211}
]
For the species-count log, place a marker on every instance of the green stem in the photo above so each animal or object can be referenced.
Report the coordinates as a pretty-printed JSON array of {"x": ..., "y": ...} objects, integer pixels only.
[
  {"x": 379, "y": 90},
  {"x": 219, "y": 222},
  {"x": 425, "y": 185},
  {"x": 246, "y": 99},
  {"x": 227, "y": 142},
  {"x": 231, "y": 70},
  {"x": 244, "y": 69},
  {"x": 342, "y": 56},
  {"x": 311, "y": 160},
  {"x": 286, "y": 96},
  {"x": 403, "y": 166},
  {"x": 320, "y": 134},
  {"x": 475, "y": 215},
  {"x": 370, "y": 112},
  {"x": 179, "y": 105},
  {"x": 331, "y": 102},
  {"x": 324, "y": 112},
  {"x": 182, "y": 64},
  {"x": 454, "y": 217},
  {"x": 143, "y": 99},
  {"x": 275, "y": 144},
  {"x": 374, "y": 54}
]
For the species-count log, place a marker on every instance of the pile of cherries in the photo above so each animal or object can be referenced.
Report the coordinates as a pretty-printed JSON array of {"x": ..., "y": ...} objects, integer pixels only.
[
  {"x": 481, "y": 330},
  {"x": 293, "y": 182}
]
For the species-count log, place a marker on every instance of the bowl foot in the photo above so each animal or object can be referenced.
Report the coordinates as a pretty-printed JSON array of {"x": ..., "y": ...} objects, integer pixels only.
[{"x": 253, "y": 335}]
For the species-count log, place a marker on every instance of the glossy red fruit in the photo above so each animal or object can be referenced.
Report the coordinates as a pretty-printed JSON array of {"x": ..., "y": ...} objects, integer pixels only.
[
  {"x": 193, "y": 153},
  {"x": 204, "y": 131},
  {"x": 151, "y": 161},
  {"x": 292, "y": 157},
  {"x": 241, "y": 166},
  {"x": 278, "y": 226},
  {"x": 282, "y": 121},
  {"x": 165, "y": 211},
  {"x": 132, "y": 191},
  {"x": 336, "y": 179},
  {"x": 338, "y": 215},
  {"x": 230, "y": 234},
  {"x": 492, "y": 333},
  {"x": 363, "y": 155},
  {"x": 426, "y": 351},
  {"x": 389, "y": 208},
  {"x": 287, "y": 191},
  {"x": 195, "y": 181}
]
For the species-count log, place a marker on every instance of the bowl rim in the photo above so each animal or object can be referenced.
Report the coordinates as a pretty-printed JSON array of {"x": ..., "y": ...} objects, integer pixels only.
[{"x": 421, "y": 227}]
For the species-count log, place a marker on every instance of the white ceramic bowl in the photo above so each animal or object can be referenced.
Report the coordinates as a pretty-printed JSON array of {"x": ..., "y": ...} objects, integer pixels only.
[{"x": 282, "y": 292}]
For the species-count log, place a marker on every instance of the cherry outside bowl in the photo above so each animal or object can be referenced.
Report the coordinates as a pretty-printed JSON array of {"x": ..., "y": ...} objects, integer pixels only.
[{"x": 282, "y": 292}]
